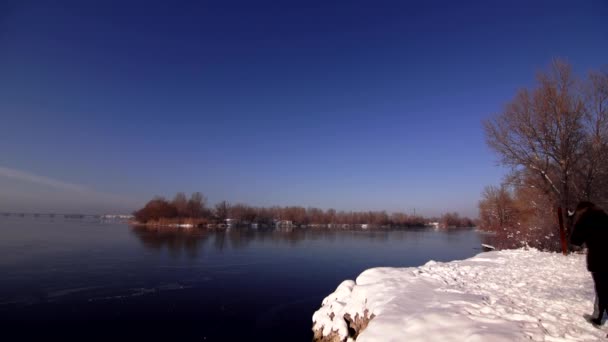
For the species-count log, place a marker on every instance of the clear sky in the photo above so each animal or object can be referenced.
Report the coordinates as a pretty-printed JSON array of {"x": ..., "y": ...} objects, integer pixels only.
[{"x": 344, "y": 104}]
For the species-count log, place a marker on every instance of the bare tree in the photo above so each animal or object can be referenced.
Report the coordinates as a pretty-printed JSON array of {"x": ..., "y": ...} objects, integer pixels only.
[
  {"x": 196, "y": 205},
  {"x": 222, "y": 210},
  {"x": 497, "y": 210},
  {"x": 330, "y": 216},
  {"x": 180, "y": 202},
  {"x": 542, "y": 131},
  {"x": 453, "y": 220},
  {"x": 555, "y": 138},
  {"x": 592, "y": 177},
  {"x": 156, "y": 209}
]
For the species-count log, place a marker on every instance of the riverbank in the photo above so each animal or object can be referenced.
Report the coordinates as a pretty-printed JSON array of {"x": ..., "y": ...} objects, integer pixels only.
[
  {"x": 171, "y": 223},
  {"x": 277, "y": 225},
  {"x": 511, "y": 295}
]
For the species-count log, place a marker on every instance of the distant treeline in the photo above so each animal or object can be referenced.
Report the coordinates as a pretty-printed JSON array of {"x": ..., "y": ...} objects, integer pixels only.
[{"x": 196, "y": 212}]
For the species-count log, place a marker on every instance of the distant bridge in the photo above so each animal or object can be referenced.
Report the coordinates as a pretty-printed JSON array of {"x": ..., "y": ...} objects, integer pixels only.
[{"x": 68, "y": 216}]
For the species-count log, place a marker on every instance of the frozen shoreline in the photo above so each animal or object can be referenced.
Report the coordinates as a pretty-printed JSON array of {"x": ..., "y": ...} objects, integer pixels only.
[{"x": 513, "y": 295}]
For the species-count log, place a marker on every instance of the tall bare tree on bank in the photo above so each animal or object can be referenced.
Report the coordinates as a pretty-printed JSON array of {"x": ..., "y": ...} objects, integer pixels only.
[
  {"x": 196, "y": 205},
  {"x": 554, "y": 136},
  {"x": 497, "y": 209},
  {"x": 222, "y": 211},
  {"x": 593, "y": 175},
  {"x": 180, "y": 202}
]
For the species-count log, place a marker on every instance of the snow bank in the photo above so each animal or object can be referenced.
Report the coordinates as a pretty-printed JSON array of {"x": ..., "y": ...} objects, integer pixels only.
[{"x": 514, "y": 295}]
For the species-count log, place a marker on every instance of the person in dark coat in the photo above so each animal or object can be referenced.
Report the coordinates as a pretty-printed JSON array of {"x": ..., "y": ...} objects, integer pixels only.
[{"x": 591, "y": 228}]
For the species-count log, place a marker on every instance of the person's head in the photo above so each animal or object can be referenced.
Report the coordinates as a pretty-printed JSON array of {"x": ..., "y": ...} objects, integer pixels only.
[{"x": 583, "y": 205}]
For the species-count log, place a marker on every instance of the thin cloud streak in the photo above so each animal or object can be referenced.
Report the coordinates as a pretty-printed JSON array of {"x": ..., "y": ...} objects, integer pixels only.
[
  {"x": 41, "y": 180},
  {"x": 71, "y": 196}
]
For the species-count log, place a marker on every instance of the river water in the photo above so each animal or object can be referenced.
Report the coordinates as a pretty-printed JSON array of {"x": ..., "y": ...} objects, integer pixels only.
[{"x": 83, "y": 278}]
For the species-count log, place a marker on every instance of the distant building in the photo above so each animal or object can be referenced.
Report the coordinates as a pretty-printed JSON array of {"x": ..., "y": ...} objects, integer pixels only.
[
  {"x": 116, "y": 217},
  {"x": 231, "y": 223},
  {"x": 283, "y": 224}
]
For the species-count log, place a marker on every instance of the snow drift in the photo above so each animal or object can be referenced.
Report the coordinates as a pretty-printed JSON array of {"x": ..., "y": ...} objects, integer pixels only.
[{"x": 513, "y": 295}]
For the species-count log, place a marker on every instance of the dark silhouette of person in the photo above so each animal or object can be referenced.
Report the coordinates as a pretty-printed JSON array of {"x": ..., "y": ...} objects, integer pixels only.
[{"x": 591, "y": 228}]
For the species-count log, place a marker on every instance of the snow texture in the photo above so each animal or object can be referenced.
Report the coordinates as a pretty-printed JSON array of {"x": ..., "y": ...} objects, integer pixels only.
[{"x": 511, "y": 295}]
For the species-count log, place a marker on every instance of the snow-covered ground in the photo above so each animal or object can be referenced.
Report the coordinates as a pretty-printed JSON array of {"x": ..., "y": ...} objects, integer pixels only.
[{"x": 511, "y": 295}]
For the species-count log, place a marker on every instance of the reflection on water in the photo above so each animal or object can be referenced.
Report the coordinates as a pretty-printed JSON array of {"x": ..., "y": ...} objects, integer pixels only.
[
  {"x": 176, "y": 240},
  {"x": 189, "y": 241}
]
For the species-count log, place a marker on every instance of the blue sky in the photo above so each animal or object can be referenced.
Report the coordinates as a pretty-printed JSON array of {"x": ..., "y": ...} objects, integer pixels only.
[{"x": 344, "y": 104}]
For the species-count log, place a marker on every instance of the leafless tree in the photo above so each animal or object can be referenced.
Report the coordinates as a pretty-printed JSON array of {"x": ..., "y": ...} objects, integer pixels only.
[
  {"x": 555, "y": 136},
  {"x": 222, "y": 210},
  {"x": 454, "y": 220},
  {"x": 541, "y": 130},
  {"x": 497, "y": 209},
  {"x": 180, "y": 202},
  {"x": 592, "y": 180},
  {"x": 196, "y": 205},
  {"x": 157, "y": 208}
]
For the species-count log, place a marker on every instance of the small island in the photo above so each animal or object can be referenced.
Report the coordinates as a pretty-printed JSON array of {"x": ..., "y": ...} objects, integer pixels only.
[{"x": 184, "y": 212}]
